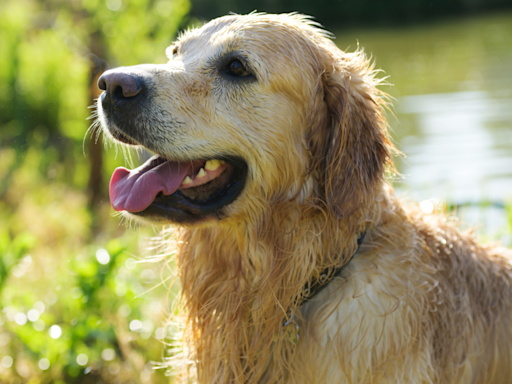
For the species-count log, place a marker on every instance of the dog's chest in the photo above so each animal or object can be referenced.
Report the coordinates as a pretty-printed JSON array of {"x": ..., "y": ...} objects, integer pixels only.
[{"x": 354, "y": 332}]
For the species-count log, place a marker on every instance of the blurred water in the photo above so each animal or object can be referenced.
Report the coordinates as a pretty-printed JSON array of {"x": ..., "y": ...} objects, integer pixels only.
[
  {"x": 453, "y": 111},
  {"x": 462, "y": 152},
  {"x": 463, "y": 149}
]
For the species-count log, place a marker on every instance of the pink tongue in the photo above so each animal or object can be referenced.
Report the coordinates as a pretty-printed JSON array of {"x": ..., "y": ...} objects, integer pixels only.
[{"x": 135, "y": 190}]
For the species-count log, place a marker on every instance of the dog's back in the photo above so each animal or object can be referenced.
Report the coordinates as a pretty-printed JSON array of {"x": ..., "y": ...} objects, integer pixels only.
[{"x": 473, "y": 318}]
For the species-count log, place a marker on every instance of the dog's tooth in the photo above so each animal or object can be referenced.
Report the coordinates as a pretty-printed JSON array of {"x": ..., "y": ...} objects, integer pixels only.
[
  {"x": 212, "y": 165},
  {"x": 201, "y": 173},
  {"x": 187, "y": 180}
]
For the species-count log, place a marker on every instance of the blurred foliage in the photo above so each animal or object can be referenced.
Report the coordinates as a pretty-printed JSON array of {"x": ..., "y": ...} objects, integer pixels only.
[
  {"x": 343, "y": 14},
  {"x": 73, "y": 305},
  {"x": 74, "y": 309},
  {"x": 47, "y": 49},
  {"x": 73, "y": 312}
]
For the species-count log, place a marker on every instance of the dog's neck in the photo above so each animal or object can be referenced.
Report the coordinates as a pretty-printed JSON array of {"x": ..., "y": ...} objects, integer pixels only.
[{"x": 239, "y": 281}]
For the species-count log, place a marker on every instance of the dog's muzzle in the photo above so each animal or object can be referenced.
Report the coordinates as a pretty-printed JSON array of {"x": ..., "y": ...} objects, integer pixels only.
[
  {"x": 124, "y": 94},
  {"x": 181, "y": 191}
]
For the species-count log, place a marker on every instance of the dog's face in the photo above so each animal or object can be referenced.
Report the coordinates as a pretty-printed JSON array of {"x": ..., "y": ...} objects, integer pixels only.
[{"x": 241, "y": 117}]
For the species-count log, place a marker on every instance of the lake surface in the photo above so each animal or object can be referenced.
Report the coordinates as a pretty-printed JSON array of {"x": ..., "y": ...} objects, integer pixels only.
[{"x": 452, "y": 82}]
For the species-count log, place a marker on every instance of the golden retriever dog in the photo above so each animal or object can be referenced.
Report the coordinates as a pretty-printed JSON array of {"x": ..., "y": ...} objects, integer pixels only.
[{"x": 297, "y": 261}]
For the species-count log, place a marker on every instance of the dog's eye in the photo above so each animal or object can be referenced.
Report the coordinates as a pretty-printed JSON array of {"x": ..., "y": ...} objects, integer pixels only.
[
  {"x": 236, "y": 68},
  {"x": 174, "y": 51}
]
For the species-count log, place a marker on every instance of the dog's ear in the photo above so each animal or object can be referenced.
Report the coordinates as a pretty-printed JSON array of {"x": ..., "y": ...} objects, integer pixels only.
[{"x": 349, "y": 143}]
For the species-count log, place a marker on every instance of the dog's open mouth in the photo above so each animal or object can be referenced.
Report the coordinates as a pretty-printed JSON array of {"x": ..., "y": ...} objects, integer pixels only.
[{"x": 180, "y": 191}]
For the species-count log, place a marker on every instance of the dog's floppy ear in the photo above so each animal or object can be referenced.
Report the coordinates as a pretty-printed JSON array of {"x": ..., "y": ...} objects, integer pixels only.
[{"x": 349, "y": 143}]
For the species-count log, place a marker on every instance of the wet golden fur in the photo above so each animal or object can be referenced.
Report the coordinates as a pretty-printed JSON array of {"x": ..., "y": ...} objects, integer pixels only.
[{"x": 421, "y": 302}]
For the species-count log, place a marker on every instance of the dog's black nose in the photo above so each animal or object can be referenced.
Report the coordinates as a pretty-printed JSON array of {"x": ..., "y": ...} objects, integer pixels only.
[{"x": 119, "y": 85}]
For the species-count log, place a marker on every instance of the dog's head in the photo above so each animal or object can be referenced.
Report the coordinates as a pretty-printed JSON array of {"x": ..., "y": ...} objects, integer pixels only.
[{"x": 249, "y": 112}]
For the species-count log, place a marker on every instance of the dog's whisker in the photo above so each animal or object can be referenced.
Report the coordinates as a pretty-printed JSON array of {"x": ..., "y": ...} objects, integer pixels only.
[{"x": 154, "y": 287}]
